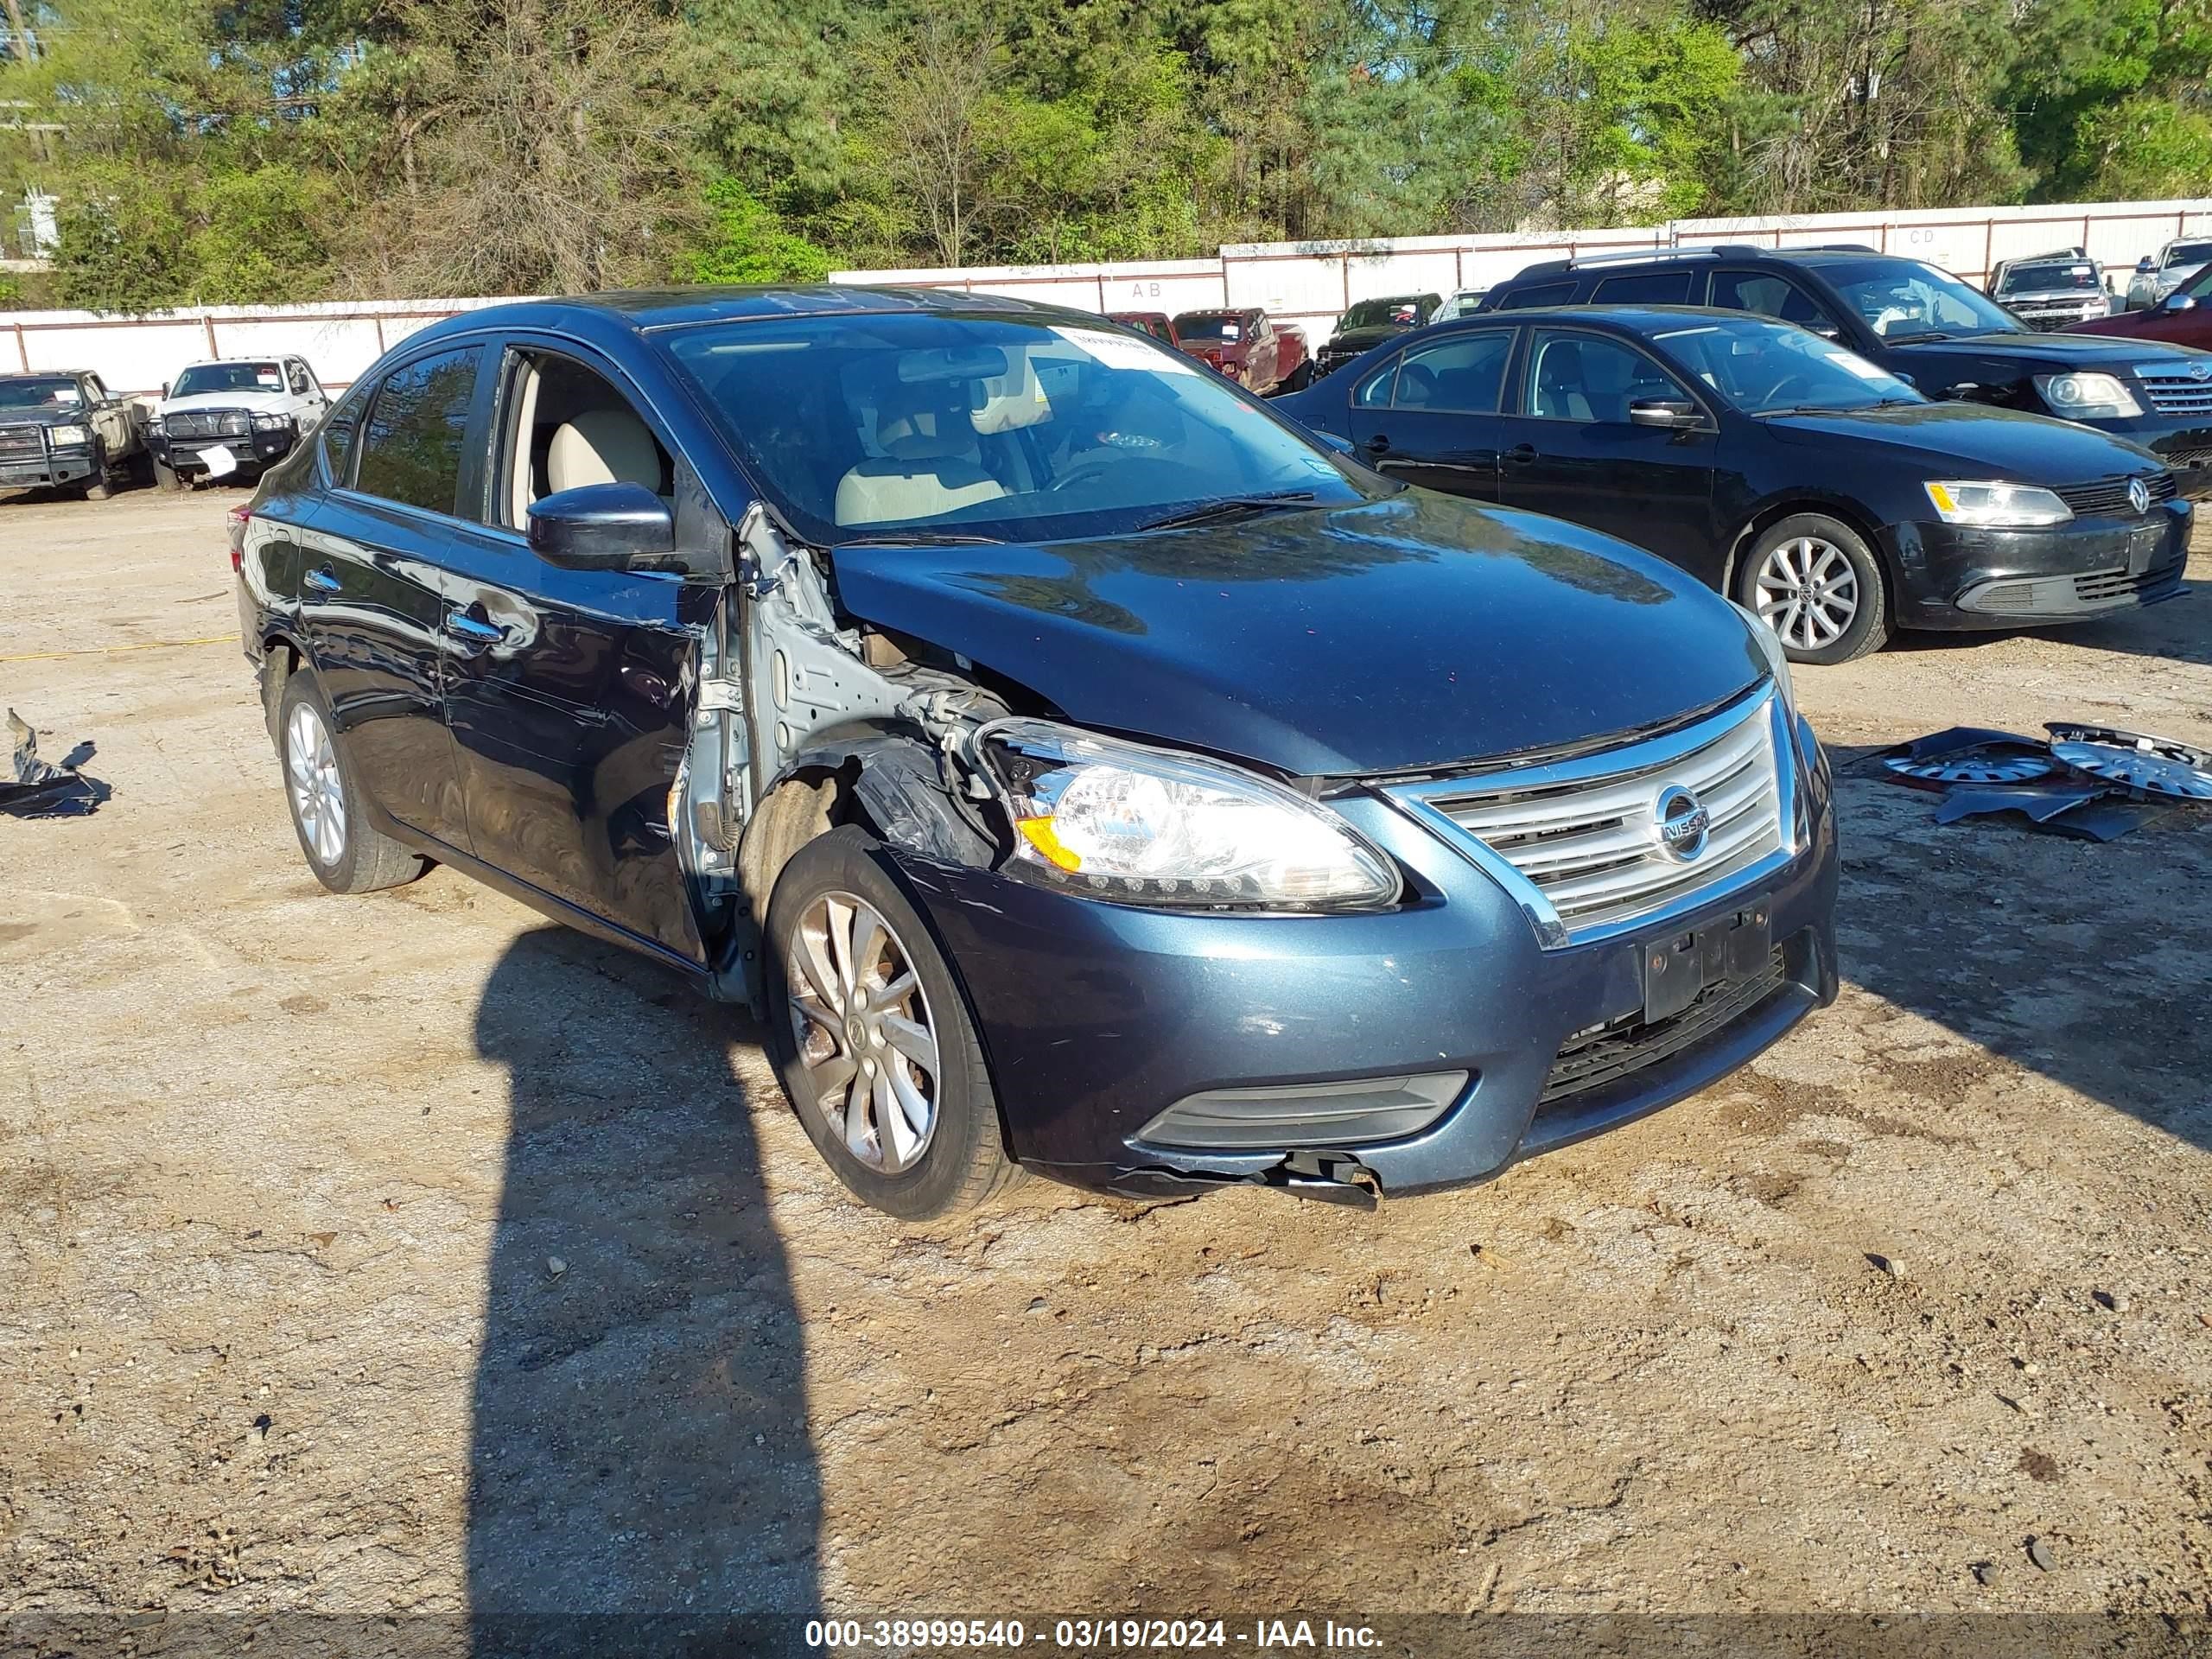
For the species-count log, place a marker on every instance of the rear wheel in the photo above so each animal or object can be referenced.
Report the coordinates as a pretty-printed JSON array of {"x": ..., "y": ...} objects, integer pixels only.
[
  {"x": 871, "y": 1036},
  {"x": 345, "y": 850},
  {"x": 1819, "y": 586}
]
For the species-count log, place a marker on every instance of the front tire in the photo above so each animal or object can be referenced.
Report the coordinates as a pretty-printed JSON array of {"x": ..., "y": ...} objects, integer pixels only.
[
  {"x": 345, "y": 850},
  {"x": 1300, "y": 377},
  {"x": 1820, "y": 587},
  {"x": 872, "y": 1037}
]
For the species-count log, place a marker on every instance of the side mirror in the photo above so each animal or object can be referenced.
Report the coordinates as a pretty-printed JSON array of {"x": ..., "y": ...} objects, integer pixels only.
[
  {"x": 1672, "y": 413},
  {"x": 602, "y": 527},
  {"x": 165, "y": 388},
  {"x": 2178, "y": 301},
  {"x": 1343, "y": 445},
  {"x": 2144, "y": 267}
]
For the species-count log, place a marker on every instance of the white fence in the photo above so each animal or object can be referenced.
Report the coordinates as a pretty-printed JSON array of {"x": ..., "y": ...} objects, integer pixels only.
[
  {"x": 1313, "y": 283},
  {"x": 1307, "y": 283}
]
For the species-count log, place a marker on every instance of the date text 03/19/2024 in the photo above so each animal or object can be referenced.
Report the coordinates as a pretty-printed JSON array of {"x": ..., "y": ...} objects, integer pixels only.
[{"x": 1088, "y": 1635}]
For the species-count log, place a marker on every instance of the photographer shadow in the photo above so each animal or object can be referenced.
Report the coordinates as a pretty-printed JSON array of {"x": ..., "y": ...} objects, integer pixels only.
[{"x": 641, "y": 1478}]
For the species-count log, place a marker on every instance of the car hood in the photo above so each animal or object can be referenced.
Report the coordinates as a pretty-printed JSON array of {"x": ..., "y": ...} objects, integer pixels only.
[
  {"x": 267, "y": 403},
  {"x": 1360, "y": 340},
  {"x": 2049, "y": 352},
  {"x": 2008, "y": 443},
  {"x": 1411, "y": 632}
]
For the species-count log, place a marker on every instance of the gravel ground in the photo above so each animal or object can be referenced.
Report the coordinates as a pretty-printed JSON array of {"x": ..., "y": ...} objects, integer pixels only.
[{"x": 405, "y": 1255}]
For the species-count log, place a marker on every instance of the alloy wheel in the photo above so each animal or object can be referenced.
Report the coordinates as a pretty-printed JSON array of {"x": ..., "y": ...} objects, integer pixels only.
[
  {"x": 865, "y": 1037},
  {"x": 1808, "y": 592},
  {"x": 318, "y": 791}
]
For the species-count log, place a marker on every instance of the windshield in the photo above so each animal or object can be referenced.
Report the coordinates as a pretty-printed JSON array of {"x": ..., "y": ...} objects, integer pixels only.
[
  {"x": 228, "y": 377},
  {"x": 2046, "y": 279},
  {"x": 2189, "y": 254},
  {"x": 1763, "y": 368},
  {"x": 1378, "y": 313},
  {"x": 1210, "y": 325},
  {"x": 860, "y": 429},
  {"x": 1903, "y": 299},
  {"x": 1459, "y": 305},
  {"x": 41, "y": 392}
]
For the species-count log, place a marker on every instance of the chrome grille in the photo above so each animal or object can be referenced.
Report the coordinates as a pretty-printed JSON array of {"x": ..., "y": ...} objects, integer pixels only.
[
  {"x": 1578, "y": 841},
  {"x": 20, "y": 444},
  {"x": 209, "y": 424},
  {"x": 2108, "y": 496},
  {"x": 2174, "y": 389}
]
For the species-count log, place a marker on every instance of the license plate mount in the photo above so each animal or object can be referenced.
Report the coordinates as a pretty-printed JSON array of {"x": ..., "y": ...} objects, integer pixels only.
[
  {"x": 1677, "y": 967},
  {"x": 2143, "y": 544}
]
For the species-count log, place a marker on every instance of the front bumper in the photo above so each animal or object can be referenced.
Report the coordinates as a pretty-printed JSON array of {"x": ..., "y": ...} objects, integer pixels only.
[
  {"x": 1955, "y": 577},
  {"x": 252, "y": 452},
  {"x": 1098, "y": 1018},
  {"x": 58, "y": 466}
]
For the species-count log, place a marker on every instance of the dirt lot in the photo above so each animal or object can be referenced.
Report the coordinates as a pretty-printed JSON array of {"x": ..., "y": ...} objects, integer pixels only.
[{"x": 404, "y": 1255}]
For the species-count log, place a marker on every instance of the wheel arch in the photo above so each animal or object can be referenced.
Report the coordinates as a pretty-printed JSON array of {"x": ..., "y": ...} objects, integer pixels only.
[{"x": 1848, "y": 514}]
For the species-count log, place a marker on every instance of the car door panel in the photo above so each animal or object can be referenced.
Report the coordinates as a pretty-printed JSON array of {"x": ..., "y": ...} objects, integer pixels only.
[
  {"x": 1430, "y": 415},
  {"x": 570, "y": 695},
  {"x": 1570, "y": 451},
  {"x": 372, "y": 607}
]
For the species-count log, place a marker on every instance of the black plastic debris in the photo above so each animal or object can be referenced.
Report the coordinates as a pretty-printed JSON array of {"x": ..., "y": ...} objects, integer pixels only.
[
  {"x": 39, "y": 789},
  {"x": 2093, "y": 782}
]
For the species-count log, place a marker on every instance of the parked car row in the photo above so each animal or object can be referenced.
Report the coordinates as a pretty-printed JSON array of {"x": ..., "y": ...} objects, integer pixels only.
[{"x": 232, "y": 418}]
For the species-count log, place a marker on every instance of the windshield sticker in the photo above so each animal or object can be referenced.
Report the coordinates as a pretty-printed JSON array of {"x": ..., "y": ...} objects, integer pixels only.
[
  {"x": 67, "y": 394},
  {"x": 268, "y": 377},
  {"x": 1858, "y": 366},
  {"x": 1119, "y": 351}
]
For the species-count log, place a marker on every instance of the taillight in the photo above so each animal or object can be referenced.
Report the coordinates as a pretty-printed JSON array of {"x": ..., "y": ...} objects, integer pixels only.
[{"x": 240, "y": 517}]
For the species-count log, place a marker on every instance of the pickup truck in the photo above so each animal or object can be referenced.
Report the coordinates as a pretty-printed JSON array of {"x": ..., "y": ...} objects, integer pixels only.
[
  {"x": 1249, "y": 346},
  {"x": 64, "y": 428},
  {"x": 236, "y": 416}
]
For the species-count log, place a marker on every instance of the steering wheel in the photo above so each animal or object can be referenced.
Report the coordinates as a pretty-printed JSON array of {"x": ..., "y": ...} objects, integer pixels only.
[
  {"x": 1773, "y": 393},
  {"x": 1082, "y": 473}
]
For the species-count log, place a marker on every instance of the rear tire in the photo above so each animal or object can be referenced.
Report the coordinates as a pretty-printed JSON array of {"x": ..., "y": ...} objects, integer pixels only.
[
  {"x": 1819, "y": 586},
  {"x": 345, "y": 850},
  {"x": 872, "y": 1037}
]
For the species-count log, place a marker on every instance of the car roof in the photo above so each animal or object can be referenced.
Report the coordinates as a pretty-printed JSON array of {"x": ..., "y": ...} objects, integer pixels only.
[
  {"x": 1628, "y": 319},
  {"x": 636, "y": 311}
]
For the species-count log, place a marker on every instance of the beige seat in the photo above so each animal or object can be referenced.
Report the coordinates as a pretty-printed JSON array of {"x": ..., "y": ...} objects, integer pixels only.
[
  {"x": 602, "y": 446},
  {"x": 927, "y": 468}
]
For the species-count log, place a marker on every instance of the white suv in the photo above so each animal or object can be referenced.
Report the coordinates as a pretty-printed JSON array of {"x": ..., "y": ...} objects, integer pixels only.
[{"x": 238, "y": 417}]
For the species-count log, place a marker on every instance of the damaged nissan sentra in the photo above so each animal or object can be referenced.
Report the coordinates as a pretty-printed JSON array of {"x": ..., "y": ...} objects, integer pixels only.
[{"x": 1075, "y": 765}]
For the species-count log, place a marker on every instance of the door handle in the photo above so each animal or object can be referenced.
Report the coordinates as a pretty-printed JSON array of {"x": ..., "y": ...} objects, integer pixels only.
[
  {"x": 1521, "y": 454},
  {"x": 475, "y": 630},
  {"x": 324, "y": 580},
  {"x": 1378, "y": 444}
]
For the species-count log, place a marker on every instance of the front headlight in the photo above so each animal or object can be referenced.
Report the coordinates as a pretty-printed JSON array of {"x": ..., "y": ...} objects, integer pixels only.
[
  {"x": 2084, "y": 396},
  {"x": 1112, "y": 820},
  {"x": 271, "y": 423},
  {"x": 69, "y": 436},
  {"x": 154, "y": 427},
  {"x": 1777, "y": 658},
  {"x": 1989, "y": 506}
]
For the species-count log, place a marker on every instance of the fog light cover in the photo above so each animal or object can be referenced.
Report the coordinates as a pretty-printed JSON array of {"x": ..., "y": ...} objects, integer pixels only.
[{"x": 1288, "y": 1116}]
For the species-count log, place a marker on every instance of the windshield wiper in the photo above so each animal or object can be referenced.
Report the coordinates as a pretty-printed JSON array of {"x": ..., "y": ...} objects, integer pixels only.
[
  {"x": 1231, "y": 506},
  {"x": 923, "y": 538}
]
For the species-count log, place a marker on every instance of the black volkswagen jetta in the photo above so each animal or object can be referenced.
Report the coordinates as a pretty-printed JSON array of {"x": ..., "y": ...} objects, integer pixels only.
[
  {"x": 1076, "y": 764},
  {"x": 1779, "y": 467}
]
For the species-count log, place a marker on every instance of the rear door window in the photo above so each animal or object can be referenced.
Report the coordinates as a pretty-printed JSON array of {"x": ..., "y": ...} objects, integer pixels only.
[
  {"x": 417, "y": 424},
  {"x": 1460, "y": 376},
  {"x": 1644, "y": 287},
  {"x": 1523, "y": 299},
  {"x": 1590, "y": 378}
]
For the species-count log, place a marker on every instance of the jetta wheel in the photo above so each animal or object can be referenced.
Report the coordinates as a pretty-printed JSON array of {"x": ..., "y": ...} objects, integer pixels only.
[
  {"x": 873, "y": 1037},
  {"x": 1816, "y": 583},
  {"x": 346, "y": 851}
]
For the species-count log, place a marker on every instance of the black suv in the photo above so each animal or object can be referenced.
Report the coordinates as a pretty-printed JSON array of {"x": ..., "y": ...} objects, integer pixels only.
[{"x": 1921, "y": 324}]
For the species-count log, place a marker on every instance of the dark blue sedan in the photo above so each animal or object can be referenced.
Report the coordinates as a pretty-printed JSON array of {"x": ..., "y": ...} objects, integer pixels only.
[
  {"x": 1777, "y": 466},
  {"x": 1073, "y": 762}
]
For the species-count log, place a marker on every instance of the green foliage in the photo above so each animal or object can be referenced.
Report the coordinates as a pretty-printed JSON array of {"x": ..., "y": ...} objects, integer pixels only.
[
  {"x": 271, "y": 149},
  {"x": 746, "y": 241}
]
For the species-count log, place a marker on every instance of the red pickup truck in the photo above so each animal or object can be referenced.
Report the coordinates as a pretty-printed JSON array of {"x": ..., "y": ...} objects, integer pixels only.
[{"x": 1249, "y": 347}]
